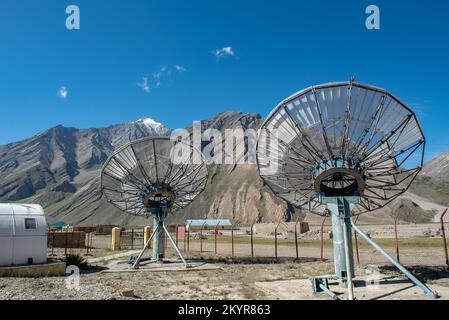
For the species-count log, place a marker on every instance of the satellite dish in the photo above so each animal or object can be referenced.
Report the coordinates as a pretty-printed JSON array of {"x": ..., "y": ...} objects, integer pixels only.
[
  {"x": 154, "y": 177},
  {"x": 343, "y": 149},
  {"x": 341, "y": 138}
]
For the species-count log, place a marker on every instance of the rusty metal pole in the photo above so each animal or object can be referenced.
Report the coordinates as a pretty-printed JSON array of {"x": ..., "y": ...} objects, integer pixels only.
[
  {"x": 232, "y": 240},
  {"x": 201, "y": 238},
  {"x": 53, "y": 244},
  {"x": 322, "y": 240},
  {"x": 215, "y": 237},
  {"x": 276, "y": 241},
  {"x": 184, "y": 241},
  {"x": 188, "y": 240},
  {"x": 296, "y": 239},
  {"x": 132, "y": 239},
  {"x": 176, "y": 236},
  {"x": 444, "y": 238},
  {"x": 356, "y": 244},
  {"x": 396, "y": 238},
  {"x": 71, "y": 242},
  {"x": 89, "y": 235},
  {"x": 91, "y": 240},
  {"x": 151, "y": 232},
  {"x": 120, "y": 240},
  {"x": 86, "y": 243},
  {"x": 66, "y": 242},
  {"x": 252, "y": 242}
]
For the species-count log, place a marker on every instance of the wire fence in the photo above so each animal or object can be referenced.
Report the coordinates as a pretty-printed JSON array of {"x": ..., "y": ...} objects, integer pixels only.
[
  {"x": 410, "y": 244},
  {"x": 131, "y": 239}
]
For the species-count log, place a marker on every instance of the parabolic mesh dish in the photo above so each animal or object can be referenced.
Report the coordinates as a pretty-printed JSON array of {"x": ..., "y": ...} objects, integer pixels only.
[
  {"x": 318, "y": 133},
  {"x": 153, "y": 170}
]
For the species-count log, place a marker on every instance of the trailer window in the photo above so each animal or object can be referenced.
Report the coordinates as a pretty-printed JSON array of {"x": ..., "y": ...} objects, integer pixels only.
[{"x": 30, "y": 224}]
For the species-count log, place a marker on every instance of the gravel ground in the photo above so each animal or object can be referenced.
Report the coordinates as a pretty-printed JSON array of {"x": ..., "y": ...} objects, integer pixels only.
[
  {"x": 237, "y": 278},
  {"x": 230, "y": 281}
]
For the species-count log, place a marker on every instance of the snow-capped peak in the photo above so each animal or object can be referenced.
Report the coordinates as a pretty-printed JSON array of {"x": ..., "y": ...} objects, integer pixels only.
[{"x": 150, "y": 123}]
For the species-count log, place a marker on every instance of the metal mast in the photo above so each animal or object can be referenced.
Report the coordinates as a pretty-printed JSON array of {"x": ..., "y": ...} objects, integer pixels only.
[{"x": 341, "y": 149}]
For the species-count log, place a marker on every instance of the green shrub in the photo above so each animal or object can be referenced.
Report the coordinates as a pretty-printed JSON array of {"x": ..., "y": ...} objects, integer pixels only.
[{"x": 76, "y": 260}]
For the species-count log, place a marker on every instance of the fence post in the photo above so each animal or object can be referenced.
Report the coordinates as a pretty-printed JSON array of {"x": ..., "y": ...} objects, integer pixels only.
[
  {"x": 215, "y": 237},
  {"x": 252, "y": 241},
  {"x": 115, "y": 239},
  {"x": 444, "y": 238},
  {"x": 276, "y": 241},
  {"x": 188, "y": 239},
  {"x": 176, "y": 235},
  {"x": 66, "y": 242},
  {"x": 322, "y": 239},
  {"x": 396, "y": 237},
  {"x": 87, "y": 241},
  {"x": 201, "y": 238},
  {"x": 71, "y": 242},
  {"x": 296, "y": 239},
  {"x": 232, "y": 241},
  {"x": 146, "y": 234},
  {"x": 53, "y": 244},
  {"x": 185, "y": 240},
  {"x": 132, "y": 239},
  {"x": 356, "y": 243}
]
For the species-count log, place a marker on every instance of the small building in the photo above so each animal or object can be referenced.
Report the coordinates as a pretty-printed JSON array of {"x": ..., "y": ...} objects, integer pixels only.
[
  {"x": 58, "y": 225},
  {"x": 193, "y": 225},
  {"x": 23, "y": 234}
]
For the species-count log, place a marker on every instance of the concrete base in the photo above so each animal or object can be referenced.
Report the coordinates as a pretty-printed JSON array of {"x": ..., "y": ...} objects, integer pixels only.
[
  {"x": 388, "y": 288},
  {"x": 35, "y": 270}
]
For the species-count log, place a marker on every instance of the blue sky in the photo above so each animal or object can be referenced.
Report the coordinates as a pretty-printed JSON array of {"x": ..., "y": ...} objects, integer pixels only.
[{"x": 269, "y": 50}]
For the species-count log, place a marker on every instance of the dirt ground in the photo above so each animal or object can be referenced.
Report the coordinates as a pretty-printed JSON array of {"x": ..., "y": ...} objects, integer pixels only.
[
  {"x": 218, "y": 277},
  {"x": 248, "y": 274}
]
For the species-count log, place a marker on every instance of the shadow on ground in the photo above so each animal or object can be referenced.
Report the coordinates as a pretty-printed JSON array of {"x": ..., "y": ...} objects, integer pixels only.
[{"x": 423, "y": 273}]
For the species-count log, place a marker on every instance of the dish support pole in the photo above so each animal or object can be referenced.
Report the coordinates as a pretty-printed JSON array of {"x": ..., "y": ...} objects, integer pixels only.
[
  {"x": 158, "y": 238},
  {"x": 342, "y": 225}
]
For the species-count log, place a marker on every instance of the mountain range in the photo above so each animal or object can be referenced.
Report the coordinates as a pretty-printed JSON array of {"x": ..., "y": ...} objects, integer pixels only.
[{"x": 60, "y": 169}]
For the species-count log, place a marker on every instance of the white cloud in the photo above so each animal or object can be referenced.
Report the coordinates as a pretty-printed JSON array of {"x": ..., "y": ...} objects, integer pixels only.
[
  {"x": 144, "y": 84},
  {"x": 158, "y": 75},
  {"x": 62, "y": 92},
  {"x": 223, "y": 52},
  {"x": 180, "y": 68},
  {"x": 163, "y": 74}
]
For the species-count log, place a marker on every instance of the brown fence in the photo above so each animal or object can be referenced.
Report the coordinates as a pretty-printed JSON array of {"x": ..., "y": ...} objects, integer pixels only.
[
  {"x": 410, "y": 244},
  {"x": 75, "y": 239},
  {"x": 131, "y": 239}
]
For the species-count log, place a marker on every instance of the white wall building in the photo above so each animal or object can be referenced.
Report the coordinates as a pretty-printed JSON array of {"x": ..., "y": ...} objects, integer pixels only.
[{"x": 23, "y": 234}]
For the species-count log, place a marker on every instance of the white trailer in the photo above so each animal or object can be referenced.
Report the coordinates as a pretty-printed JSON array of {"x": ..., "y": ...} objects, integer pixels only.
[{"x": 23, "y": 234}]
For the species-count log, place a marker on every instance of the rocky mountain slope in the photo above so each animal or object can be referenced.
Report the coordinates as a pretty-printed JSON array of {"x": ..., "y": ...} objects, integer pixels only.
[
  {"x": 60, "y": 169},
  {"x": 438, "y": 167}
]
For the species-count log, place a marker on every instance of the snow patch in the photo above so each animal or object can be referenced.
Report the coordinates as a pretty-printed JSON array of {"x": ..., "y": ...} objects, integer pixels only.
[{"x": 151, "y": 124}]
